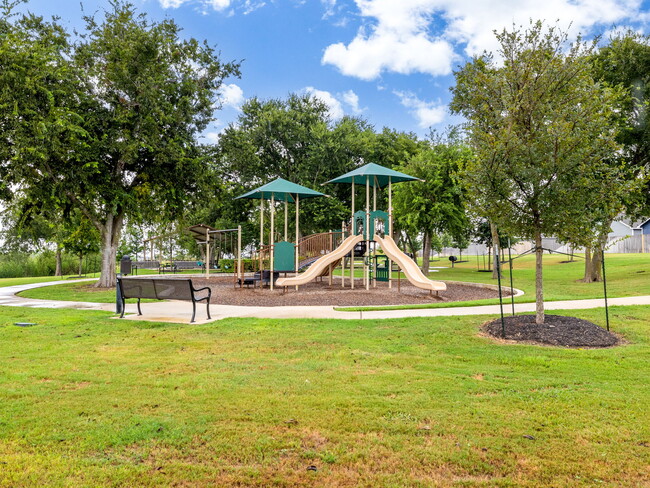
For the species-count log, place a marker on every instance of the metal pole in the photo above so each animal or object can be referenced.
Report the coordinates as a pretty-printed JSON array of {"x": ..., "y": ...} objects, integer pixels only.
[
  {"x": 366, "y": 230},
  {"x": 602, "y": 251},
  {"x": 207, "y": 254},
  {"x": 512, "y": 290},
  {"x": 498, "y": 267},
  {"x": 272, "y": 239},
  {"x": 390, "y": 227},
  {"x": 239, "y": 270},
  {"x": 297, "y": 233},
  {"x": 353, "y": 232},
  {"x": 118, "y": 295},
  {"x": 286, "y": 218}
]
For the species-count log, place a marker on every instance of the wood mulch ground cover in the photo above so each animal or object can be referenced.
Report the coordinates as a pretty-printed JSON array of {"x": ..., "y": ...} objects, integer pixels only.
[
  {"x": 557, "y": 330},
  {"x": 320, "y": 293}
]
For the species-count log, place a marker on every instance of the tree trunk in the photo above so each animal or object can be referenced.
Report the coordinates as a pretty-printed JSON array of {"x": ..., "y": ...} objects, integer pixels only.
[
  {"x": 81, "y": 257},
  {"x": 426, "y": 253},
  {"x": 539, "y": 282},
  {"x": 594, "y": 261},
  {"x": 495, "y": 249},
  {"x": 110, "y": 231},
  {"x": 59, "y": 264},
  {"x": 587, "y": 276}
]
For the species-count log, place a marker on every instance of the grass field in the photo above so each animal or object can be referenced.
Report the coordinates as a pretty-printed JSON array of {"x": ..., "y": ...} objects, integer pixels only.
[
  {"x": 627, "y": 275},
  {"x": 91, "y": 401}
]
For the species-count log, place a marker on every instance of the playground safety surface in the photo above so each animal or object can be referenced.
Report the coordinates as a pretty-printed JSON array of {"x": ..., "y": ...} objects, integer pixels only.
[{"x": 321, "y": 293}]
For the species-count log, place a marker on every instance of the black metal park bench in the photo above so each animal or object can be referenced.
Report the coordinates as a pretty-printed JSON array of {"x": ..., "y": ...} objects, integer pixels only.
[{"x": 163, "y": 289}]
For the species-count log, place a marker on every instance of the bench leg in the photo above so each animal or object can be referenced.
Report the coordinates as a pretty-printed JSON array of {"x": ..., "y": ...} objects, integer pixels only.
[
  {"x": 207, "y": 305},
  {"x": 193, "y": 311},
  {"x": 123, "y": 308},
  {"x": 139, "y": 311}
]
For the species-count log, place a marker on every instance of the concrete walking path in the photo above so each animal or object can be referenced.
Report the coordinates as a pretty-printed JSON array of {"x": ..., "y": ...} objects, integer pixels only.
[{"x": 180, "y": 312}]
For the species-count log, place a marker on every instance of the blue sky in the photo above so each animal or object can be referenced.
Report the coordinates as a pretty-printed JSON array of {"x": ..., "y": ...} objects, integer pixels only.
[{"x": 389, "y": 61}]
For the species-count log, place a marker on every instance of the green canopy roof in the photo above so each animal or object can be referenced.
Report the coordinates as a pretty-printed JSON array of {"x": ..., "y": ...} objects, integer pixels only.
[
  {"x": 377, "y": 175},
  {"x": 280, "y": 190}
]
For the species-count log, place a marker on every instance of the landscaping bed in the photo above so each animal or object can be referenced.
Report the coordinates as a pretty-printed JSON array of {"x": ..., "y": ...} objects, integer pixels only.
[{"x": 557, "y": 330}]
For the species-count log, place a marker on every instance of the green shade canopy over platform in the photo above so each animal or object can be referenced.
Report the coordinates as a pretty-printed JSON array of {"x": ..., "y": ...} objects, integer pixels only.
[
  {"x": 281, "y": 190},
  {"x": 375, "y": 174}
]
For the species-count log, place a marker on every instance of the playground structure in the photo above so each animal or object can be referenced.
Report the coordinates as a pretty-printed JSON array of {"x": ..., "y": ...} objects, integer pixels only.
[
  {"x": 320, "y": 254},
  {"x": 365, "y": 227}
]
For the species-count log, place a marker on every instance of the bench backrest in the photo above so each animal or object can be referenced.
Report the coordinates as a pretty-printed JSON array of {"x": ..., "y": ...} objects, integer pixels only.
[
  {"x": 137, "y": 288},
  {"x": 173, "y": 289},
  {"x": 156, "y": 288},
  {"x": 146, "y": 264}
]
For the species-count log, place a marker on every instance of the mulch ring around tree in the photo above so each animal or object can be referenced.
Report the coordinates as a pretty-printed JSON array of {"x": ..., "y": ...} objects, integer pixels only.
[{"x": 557, "y": 330}]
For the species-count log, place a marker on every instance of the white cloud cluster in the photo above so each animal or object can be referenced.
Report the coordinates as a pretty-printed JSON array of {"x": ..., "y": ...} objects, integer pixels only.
[
  {"x": 217, "y": 5},
  {"x": 426, "y": 113},
  {"x": 399, "y": 41},
  {"x": 424, "y": 36},
  {"x": 336, "y": 103},
  {"x": 231, "y": 95}
]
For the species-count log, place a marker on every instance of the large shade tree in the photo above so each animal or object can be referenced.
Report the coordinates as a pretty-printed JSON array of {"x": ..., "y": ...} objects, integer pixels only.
[
  {"x": 109, "y": 124},
  {"x": 542, "y": 131},
  {"x": 625, "y": 63},
  {"x": 296, "y": 139},
  {"x": 437, "y": 203}
]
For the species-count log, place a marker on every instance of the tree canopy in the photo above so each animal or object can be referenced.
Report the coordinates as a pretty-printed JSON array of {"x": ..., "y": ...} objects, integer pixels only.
[
  {"x": 108, "y": 124},
  {"x": 543, "y": 130}
]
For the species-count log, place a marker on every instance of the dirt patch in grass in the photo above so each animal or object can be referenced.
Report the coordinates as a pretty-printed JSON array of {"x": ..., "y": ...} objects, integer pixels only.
[
  {"x": 321, "y": 293},
  {"x": 557, "y": 330}
]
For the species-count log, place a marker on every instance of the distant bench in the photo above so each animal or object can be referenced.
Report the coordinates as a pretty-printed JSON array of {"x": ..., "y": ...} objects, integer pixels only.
[
  {"x": 162, "y": 289},
  {"x": 136, "y": 265},
  {"x": 263, "y": 278}
]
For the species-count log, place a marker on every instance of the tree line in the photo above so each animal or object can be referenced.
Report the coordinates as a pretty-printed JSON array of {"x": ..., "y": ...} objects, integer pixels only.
[{"x": 101, "y": 129}]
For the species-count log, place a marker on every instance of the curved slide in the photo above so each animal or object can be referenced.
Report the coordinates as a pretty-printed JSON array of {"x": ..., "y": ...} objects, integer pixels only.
[
  {"x": 411, "y": 270},
  {"x": 316, "y": 269}
]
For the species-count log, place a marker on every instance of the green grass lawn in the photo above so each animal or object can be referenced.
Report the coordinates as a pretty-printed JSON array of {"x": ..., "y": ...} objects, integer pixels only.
[
  {"x": 92, "y": 401},
  {"x": 627, "y": 275},
  {"x": 41, "y": 279}
]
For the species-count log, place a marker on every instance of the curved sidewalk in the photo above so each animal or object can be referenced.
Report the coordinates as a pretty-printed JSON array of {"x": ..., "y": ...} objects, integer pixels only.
[{"x": 180, "y": 312}]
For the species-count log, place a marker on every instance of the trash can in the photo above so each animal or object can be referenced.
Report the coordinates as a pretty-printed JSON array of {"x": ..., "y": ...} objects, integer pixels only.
[{"x": 125, "y": 266}]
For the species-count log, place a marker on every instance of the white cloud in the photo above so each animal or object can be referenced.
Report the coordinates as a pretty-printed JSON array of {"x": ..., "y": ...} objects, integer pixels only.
[
  {"x": 217, "y": 5},
  {"x": 334, "y": 105},
  {"x": 231, "y": 95},
  {"x": 426, "y": 113},
  {"x": 335, "y": 102},
  {"x": 352, "y": 100},
  {"x": 426, "y": 36},
  {"x": 212, "y": 137}
]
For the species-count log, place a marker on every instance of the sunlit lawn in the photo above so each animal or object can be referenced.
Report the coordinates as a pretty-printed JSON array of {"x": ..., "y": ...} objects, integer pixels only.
[
  {"x": 92, "y": 401},
  {"x": 627, "y": 275}
]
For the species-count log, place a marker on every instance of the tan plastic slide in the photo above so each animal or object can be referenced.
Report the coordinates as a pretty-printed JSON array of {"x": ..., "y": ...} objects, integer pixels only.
[
  {"x": 316, "y": 269},
  {"x": 411, "y": 270}
]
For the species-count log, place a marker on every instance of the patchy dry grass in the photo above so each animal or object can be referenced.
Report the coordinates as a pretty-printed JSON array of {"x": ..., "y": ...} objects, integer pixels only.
[{"x": 91, "y": 401}]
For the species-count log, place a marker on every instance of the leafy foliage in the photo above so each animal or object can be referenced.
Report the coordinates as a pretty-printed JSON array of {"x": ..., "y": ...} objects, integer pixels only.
[{"x": 543, "y": 131}]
